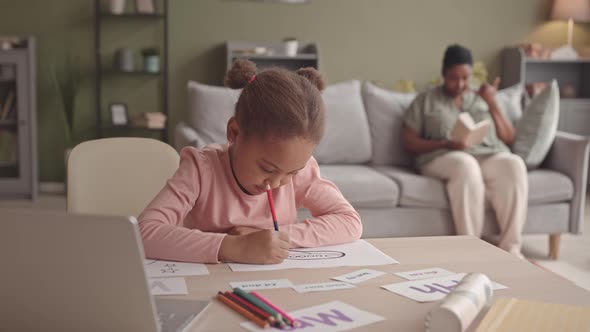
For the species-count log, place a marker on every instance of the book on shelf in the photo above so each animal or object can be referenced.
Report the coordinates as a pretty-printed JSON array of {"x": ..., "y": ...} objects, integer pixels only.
[
  {"x": 152, "y": 120},
  {"x": 467, "y": 131},
  {"x": 7, "y": 106},
  {"x": 8, "y": 147},
  {"x": 510, "y": 314}
]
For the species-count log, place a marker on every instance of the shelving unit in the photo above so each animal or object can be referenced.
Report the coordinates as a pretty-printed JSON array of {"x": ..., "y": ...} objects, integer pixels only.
[
  {"x": 18, "y": 129},
  {"x": 104, "y": 126},
  {"x": 307, "y": 55},
  {"x": 574, "y": 113}
]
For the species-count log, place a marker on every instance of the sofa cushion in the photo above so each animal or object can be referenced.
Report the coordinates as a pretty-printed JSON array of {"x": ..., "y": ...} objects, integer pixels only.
[
  {"x": 347, "y": 139},
  {"x": 417, "y": 190},
  {"x": 536, "y": 129},
  {"x": 545, "y": 186},
  {"x": 509, "y": 101},
  {"x": 385, "y": 113},
  {"x": 210, "y": 107},
  {"x": 362, "y": 186}
]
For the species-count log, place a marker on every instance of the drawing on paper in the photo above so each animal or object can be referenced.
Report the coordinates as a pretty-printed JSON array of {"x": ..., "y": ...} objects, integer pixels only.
[{"x": 300, "y": 255}]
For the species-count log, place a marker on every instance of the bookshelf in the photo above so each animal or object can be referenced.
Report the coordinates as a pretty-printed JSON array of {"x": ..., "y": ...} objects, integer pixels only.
[
  {"x": 18, "y": 133},
  {"x": 130, "y": 79},
  {"x": 273, "y": 54}
]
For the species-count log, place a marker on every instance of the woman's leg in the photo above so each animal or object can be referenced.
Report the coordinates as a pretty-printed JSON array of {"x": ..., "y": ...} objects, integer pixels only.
[
  {"x": 506, "y": 181},
  {"x": 465, "y": 188}
]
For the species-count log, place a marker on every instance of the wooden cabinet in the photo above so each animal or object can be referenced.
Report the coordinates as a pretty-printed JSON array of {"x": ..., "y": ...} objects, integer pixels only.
[{"x": 18, "y": 131}]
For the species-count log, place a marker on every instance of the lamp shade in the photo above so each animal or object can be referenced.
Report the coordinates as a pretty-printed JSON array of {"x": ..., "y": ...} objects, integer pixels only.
[{"x": 578, "y": 10}]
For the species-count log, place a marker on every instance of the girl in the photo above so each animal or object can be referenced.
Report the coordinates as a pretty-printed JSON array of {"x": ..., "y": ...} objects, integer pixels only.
[{"x": 214, "y": 208}]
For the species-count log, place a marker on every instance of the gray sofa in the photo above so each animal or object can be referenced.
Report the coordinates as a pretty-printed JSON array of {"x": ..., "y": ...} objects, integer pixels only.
[{"x": 362, "y": 153}]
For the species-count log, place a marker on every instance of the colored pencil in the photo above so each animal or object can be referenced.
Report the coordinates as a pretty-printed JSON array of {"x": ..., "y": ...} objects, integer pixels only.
[
  {"x": 249, "y": 306},
  {"x": 290, "y": 319},
  {"x": 272, "y": 207},
  {"x": 255, "y": 301},
  {"x": 237, "y": 308}
]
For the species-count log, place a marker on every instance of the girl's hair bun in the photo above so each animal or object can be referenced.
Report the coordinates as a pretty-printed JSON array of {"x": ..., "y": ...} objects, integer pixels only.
[
  {"x": 313, "y": 76},
  {"x": 239, "y": 74}
]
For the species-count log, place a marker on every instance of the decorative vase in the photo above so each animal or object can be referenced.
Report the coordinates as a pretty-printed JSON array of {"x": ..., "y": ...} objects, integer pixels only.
[
  {"x": 151, "y": 63},
  {"x": 124, "y": 60},
  {"x": 291, "y": 47},
  {"x": 117, "y": 7}
]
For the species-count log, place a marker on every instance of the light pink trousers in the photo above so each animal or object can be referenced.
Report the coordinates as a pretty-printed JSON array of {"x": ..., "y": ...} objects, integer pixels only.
[{"x": 501, "y": 178}]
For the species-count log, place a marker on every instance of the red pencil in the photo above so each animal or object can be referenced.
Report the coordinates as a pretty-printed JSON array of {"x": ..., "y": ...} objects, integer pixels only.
[
  {"x": 291, "y": 321},
  {"x": 263, "y": 314},
  {"x": 272, "y": 207},
  {"x": 236, "y": 307}
]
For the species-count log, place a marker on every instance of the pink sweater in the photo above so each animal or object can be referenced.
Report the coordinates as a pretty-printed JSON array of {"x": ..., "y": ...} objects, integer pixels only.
[{"x": 202, "y": 201}]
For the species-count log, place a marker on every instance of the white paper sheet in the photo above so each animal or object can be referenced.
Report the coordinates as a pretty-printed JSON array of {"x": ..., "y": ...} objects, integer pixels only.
[
  {"x": 432, "y": 289},
  {"x": 261, "y": 284},
  {"x": 321, "y": 287},
  {"x": 359, "y": 276},
  {"x": 328, "y": 317},
  {"x": 157, "y": 269},
  {"x": 434, "y": 272},
  {"x": 358, "y": 253},
  {"x": 167, "y": 286}
]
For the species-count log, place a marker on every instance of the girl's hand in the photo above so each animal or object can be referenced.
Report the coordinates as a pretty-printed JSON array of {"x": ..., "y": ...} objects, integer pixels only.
[
  {"x": 242, "y": 230},
  {"x": 259, "y": 247}
]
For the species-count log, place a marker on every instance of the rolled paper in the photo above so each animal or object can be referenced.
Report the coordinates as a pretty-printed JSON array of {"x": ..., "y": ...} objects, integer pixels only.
[{"x": 460, "y": 307}]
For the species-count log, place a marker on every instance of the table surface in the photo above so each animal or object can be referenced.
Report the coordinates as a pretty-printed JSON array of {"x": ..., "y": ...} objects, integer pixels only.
[{"x": 455, "y": 253}]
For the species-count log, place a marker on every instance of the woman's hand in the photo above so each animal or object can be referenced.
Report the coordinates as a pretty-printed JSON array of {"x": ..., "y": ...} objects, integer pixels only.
[
  {"x": 456, "y": 145},
  {"x": 242, "y": 230},
  {"x": 259, "y": 247},
  {"x": 487, "y": 92}
]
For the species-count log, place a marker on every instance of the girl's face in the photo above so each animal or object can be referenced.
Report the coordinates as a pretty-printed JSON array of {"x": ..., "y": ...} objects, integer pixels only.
[{"x": 256, "y": 161}]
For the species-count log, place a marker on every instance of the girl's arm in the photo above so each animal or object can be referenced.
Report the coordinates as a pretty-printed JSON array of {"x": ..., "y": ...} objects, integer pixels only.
[
  {"x": 161, "y": 222},
  {"x": 334, "y": 220}
]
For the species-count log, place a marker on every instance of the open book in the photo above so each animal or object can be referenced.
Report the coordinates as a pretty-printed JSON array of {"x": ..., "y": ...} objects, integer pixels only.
[
  {"x": 510, "y": 314},
  {"x": 467, "y": 131}
]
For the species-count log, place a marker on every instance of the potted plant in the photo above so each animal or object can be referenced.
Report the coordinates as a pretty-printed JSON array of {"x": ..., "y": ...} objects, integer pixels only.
[
  {"x": 151, "y": 59},
  {"x": 67, "y": 80}
]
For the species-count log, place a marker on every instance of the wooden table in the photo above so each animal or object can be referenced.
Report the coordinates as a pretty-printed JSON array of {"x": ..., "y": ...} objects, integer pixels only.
[{"x": 454, "y": 253}]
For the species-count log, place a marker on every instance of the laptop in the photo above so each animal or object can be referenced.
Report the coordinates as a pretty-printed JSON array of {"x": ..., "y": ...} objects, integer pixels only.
[{"x": 65, "y": 272}]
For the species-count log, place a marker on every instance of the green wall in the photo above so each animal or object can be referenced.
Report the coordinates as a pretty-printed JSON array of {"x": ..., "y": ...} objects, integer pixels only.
[{"x": 377, "y": 40}]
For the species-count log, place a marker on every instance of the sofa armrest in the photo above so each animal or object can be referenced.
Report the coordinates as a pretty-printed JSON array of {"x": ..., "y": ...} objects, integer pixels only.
[
  {"x": 569, "y": 155},
  {"x": 184, "y": 135}
]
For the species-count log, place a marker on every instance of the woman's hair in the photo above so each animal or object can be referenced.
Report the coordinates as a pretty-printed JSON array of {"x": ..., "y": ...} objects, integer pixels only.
[
  {"x": 456, "y": 55},
  {"x": 278, "y": 103}
]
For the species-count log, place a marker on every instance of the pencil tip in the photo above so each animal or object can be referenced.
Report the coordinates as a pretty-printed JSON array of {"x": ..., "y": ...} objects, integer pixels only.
[{"x": 267, "y": 186}]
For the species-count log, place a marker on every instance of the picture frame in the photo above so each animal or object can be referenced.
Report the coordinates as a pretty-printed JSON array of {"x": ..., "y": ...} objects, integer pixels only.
[
  {"x": 119, "y": 114},
  {"x": 145, "y": 6}
]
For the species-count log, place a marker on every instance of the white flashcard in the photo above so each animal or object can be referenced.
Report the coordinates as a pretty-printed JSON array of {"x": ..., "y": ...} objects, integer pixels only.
[
  {"x": 167, "y": 286},
  {"x": 322, "y": 287},
  {"x": 157, "y": 269},
  {"x": 357, "y": 253},
  {"x": 432, "y": 289},
  {"x": 359, "y": 276},
  {"x": 425, "y": 273},
  {"x": 328, "y": 317},
  {"x": 261, "y": 284}
]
